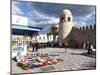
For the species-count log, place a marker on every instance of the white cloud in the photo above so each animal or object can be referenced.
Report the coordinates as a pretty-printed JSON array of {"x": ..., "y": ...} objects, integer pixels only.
[
  {"x": 79, "y": 24},
  {"x": 45, "y": 20},
  {"x": 50, "y": 21},
  {"x": 39, "y": 14},
  {"x": 81, "y": 21},
  {"x": 15, "y": 9},
  {"x": 42, "y": 18},
  {"x": 86, "y": 17},
  {"x": 89, "y": 16}
]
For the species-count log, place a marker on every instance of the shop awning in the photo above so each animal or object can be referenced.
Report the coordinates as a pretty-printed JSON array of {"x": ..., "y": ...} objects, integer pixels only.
[{"x": 21, "y": 27}]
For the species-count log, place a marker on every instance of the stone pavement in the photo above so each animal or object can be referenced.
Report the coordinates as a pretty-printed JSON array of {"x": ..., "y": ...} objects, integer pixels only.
[{"x": 74, "y": 59}]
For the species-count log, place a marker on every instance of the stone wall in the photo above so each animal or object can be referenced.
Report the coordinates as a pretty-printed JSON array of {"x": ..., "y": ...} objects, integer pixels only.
[{"x": 79, "y": 36}]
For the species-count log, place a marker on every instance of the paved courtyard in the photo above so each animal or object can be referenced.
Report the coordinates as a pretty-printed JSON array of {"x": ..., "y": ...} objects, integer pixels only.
[{"x": 74, "y": 59}]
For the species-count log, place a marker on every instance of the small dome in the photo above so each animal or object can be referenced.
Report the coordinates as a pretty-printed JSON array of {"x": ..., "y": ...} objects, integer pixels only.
[{"x": 66, "y": 11}]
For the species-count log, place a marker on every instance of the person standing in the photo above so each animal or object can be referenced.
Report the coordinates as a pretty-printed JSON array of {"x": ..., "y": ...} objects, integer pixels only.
[
  {"x": 36, "y": 46},
  {"x": 89, "y": 49}
]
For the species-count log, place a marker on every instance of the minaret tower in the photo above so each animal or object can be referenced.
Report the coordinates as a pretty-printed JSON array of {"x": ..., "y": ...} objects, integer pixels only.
[{"x": 65, "y": 25}]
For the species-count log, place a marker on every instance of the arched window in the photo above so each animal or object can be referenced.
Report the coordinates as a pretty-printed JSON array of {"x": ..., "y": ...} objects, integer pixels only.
[
  {"x": 68, "y": 18},
  {"x": 62, "y": 19}
]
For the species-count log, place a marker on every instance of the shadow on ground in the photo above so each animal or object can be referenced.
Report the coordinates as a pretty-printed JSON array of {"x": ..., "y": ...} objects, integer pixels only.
[
  {"x": 89, "y": 66},
  {"x": 93, "y": 55}
]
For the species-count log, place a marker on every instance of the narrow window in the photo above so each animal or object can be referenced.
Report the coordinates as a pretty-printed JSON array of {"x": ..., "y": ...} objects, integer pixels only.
[
  {"x": 62, "y": 19},
  {"x": 68, "y": 18},
  {"x": 44, "y": 37}
]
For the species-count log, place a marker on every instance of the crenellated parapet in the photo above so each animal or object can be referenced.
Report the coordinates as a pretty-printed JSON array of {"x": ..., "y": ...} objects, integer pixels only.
[
  {"x": 82, "y": 34},
  {"x": 85, "y": 28}
]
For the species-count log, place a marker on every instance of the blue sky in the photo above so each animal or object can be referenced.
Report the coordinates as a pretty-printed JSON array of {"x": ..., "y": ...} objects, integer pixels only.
[{"x": 45, "y": 14}]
